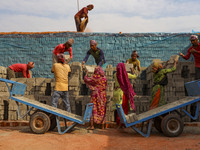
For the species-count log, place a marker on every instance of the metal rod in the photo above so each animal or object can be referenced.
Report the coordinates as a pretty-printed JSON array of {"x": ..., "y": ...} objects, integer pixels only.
[{"x": 78, "y": 4}]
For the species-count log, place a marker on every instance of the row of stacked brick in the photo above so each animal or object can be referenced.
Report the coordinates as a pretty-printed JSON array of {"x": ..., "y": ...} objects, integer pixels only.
[{"x": 41, "y": 89}]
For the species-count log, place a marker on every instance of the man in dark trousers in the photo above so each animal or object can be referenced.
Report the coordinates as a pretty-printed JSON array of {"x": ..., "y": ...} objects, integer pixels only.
[
  {"x": 61, "y": 71},
  {"x": 195, "y": 51},
  {"x": 83, "y": 13}
]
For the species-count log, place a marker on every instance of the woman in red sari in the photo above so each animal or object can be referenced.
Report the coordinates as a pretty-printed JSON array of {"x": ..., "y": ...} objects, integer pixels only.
[{"x": 97, "y": 84}]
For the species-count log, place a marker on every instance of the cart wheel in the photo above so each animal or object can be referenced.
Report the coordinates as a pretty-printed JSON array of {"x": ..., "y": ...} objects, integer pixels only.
[
  {"x": 172, "y": 125},
  {"x": 53, "y": 123},
  {"x": 157, "y": 124},
  {"x": 39, "y": 123}
]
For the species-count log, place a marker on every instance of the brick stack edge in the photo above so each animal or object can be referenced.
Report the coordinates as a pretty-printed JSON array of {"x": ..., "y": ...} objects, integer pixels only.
[{"x": 41, "y": 89}]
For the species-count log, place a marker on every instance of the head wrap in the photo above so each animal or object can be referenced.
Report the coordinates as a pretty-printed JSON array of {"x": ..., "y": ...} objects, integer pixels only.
[
  {"x": 70, "y": 41},
  {"x": 30, "y": 65},
  {"x": 61, "y": 58},
  {"x": 125, "y": 85},
  {"x": 99, "y": 71},
  {"x": 93, "y": 42},
  {"x": 193, "y": 37},
  {"x": 156, "y": 66},
  {"x": 92, "y": 6}
]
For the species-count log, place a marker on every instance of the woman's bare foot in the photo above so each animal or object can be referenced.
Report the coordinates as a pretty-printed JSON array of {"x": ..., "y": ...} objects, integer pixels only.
[
  {"x": 102, "y": 127},
  {"x": 90, "y": 128}
]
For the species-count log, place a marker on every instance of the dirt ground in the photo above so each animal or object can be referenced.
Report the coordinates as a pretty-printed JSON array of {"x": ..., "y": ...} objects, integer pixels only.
[{"x": 21, "y": 138}]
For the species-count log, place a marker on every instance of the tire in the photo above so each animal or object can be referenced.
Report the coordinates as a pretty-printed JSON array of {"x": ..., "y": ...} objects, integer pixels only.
[
  {"x": 39, "y": 123},
  {"x": 172, "y": 125},
  {"x": 53, "y": 123},
  {"x": 157, "y": 124}
]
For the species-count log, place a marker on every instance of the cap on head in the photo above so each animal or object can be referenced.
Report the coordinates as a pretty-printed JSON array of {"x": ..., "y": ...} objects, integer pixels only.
[
  {"x": 93, "y": 42},
  {"x": 61, "y": 58},
  {"x": 193, "y": 37},
  {"x": 70, "y": 41},
  {"x": 30, "y": 65}
]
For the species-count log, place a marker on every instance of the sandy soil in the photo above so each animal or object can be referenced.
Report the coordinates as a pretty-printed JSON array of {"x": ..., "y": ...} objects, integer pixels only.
[{"x": 21, "y": 138}]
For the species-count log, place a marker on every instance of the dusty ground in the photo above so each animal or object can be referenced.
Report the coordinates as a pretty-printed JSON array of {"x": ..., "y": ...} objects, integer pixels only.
[{"x": 21, "y": 138}]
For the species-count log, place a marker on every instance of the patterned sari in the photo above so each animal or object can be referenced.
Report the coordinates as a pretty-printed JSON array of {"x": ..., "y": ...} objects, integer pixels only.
[
  {"x": 157, "y": 96},
  {"x": 97, "y": 84}
]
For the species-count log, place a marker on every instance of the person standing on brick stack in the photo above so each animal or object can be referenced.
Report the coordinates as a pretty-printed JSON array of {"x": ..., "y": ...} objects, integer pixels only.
[
  {"x": 24, "y": 68},
  {"x": 97, "y": 53},
  {"x": 195, "y": 51},
  {"x": 61, "y": 71},
  {"x": 61, "y": 48},
  {"x": 134, "y": 60},
  {"x": 83, "y": 13}
]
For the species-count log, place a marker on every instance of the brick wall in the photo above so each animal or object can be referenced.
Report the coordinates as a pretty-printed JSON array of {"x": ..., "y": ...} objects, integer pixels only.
[{"x": 21, "y": 48}]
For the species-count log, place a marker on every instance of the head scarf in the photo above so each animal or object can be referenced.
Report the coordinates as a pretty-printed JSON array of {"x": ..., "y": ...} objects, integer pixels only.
[
  {"x": 99, "y": 71},
  {"x": 61, "y": 58},
  {"x": 193, "y": 37},
  {"x": 70, "y": 41},
  {"x": 92, "y": 6},
  {"x": 125, "y": 84},
  {"x": 157, "y": 66},
  {"x": 93, "y": 42}
]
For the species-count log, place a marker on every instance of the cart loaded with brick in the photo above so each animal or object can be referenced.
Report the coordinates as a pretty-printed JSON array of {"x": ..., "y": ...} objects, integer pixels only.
[
  {"x": 42, "y": 116},
  {"x": 167, "y": 119}
]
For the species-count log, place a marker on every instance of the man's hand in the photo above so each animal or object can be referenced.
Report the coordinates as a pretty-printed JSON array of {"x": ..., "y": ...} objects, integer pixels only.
[
  {"x": 181, "y": 54},
  {"x": 83, "y": 63},
  {"x": 86, "y": 71},
  {"x": 193, "y": 51},
  {"x": 132, "y": 70}
]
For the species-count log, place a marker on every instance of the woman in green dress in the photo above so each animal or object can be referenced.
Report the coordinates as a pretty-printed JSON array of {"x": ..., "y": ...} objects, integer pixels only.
[{"x": 160, "y": 80}]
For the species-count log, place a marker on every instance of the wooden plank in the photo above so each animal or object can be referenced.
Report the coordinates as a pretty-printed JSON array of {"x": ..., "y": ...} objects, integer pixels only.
[
  {"x": 165, "y": 107},
  {"x": 53, "y": 109}
]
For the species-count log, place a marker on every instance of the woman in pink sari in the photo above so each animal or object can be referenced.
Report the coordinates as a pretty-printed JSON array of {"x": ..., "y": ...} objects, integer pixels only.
[{"x": 97, "y": 84}]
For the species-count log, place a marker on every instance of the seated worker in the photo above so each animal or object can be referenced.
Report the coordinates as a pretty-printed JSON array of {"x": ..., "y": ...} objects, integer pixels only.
[
  {"x": 61, "y": 48},
  {"x": 134, "y": 60},
  {"x": 160, "y": 80},
  {"x": 61, "y": 71},
  {"x": 83, "y": 13},
  {"x": 96, "y": 52},
  {"x": 24, "y": 68}
]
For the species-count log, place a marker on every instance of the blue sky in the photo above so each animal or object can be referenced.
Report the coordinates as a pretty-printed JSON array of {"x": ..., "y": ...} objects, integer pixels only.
[{"x": 126, "y": 16}]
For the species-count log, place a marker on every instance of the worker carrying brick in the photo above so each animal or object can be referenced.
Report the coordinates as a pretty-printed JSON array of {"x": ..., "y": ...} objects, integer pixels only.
[
  {"x": 83, "y": 13},
  {"x": 61, "y": 48},
  {"x": 24, "y": 68},
  {"x": 97, "y": 53},
  {"x": 61, "y": 71},
  {"x": 195, "y": 51}
]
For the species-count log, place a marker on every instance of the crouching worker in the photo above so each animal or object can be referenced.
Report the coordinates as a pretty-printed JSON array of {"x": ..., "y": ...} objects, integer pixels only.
[
  {"x": 24, "y": 68},
  {"x": 160, "y": 80},
  {"x": 61, "y": 71}
]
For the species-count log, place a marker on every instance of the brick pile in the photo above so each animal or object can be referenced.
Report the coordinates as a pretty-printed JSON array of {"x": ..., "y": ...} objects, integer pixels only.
[{"x": 41, "y": 89}]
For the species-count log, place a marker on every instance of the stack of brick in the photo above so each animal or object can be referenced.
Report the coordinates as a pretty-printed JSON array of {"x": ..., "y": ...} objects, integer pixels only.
[
  {"x": 75, "y": 79},
  {"x": 109, "y": 93},
  {"x": 3, "y": 72}
]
